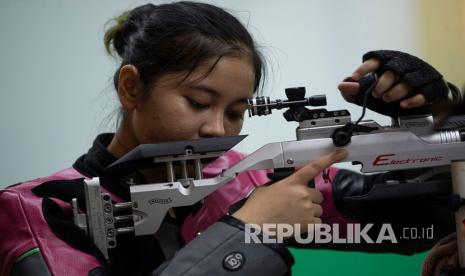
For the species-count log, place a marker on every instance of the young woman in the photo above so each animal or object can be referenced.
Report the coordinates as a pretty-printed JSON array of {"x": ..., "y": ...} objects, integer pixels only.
[{"x": 187, "y": 69}]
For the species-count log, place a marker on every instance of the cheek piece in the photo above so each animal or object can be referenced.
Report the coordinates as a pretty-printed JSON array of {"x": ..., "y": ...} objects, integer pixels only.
[{"x": 418, "y": 74}]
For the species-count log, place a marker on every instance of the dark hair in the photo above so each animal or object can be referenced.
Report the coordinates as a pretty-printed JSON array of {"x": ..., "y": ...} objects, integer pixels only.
[{"x": 177, "y": 37}]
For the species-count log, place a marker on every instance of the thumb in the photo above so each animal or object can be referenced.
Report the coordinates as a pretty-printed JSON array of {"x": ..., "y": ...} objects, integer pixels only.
[
  {"x": 349, "y": 88},
  {"x": 309, "y": 171}
]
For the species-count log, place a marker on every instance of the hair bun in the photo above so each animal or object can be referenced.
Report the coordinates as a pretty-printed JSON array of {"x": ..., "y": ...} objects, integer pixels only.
[{"x": 120, "y": 29}]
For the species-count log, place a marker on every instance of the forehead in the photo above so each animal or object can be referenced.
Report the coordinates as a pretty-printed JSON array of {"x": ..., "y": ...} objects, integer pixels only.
[{"x": 228, "y": 75}]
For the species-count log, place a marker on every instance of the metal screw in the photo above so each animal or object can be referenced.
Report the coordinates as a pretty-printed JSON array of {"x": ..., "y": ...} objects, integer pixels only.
[
  {"x": 109, "y": 220},
  {"x": 134, "y": 205},
  {"x": 107, "y": 208},
  {"x": 110, "y": 233},
  {"x": 290, "y": 161}
]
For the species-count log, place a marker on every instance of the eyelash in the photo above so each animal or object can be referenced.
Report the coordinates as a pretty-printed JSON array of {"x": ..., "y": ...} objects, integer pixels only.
[
  {"x": 196, "y": 105},
  {"x": 199, "y": 106}
]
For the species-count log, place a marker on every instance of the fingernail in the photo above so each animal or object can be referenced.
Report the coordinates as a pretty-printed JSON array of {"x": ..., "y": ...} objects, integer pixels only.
[
  {"x": 404, "y": 104},
  {"x": 341, "y": 151},
  {"x": 376, "y": 95}
]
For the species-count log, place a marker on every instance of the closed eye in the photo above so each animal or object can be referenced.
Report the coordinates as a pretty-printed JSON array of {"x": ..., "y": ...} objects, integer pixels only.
[{"x": 196, "y": 105}]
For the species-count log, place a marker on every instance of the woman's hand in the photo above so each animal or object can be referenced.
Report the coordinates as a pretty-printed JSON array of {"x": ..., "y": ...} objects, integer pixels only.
[
  {"x": 404, "y": 82},
  {"x": 388, "y": 87},
  {"x": 289, "y": 201}
]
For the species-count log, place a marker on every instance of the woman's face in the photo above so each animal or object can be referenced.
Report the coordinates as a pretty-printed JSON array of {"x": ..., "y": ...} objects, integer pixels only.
[{"x": 212, "y": 106}]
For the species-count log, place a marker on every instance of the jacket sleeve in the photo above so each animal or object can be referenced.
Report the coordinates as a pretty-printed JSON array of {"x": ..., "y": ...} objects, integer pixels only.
[
  {"x": 222, "y": 250},
  {"x": 29, "y": 244}
]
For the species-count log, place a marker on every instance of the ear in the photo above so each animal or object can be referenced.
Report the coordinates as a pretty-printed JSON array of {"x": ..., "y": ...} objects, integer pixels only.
[{"x": 129, "y": 90}]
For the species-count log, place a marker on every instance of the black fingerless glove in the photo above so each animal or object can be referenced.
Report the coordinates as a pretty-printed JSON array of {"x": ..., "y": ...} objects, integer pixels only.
[{"x": 421, "y": 76}]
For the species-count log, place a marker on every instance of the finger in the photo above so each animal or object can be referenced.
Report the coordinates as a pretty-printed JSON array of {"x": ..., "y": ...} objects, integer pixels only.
[
  {"x": 309, "y": 171},
  {"x": 386, "y": 80},
  {"x": 368, "y": 66},
  {"x": 397, "y": 93},
  {"x": 415, "y": 101},
  {"x": 317, "y": 210},
  {"x": 349, "y": 90},
  {"x": 315, "y": 196}
]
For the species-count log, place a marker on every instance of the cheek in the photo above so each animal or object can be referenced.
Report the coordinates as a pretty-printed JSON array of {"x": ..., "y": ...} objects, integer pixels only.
[
  {"x": 233, "y": 128},
  {"x": 169, "y": 123}
]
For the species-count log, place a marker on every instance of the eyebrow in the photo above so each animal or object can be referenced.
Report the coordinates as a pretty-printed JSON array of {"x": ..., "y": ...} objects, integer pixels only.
[
  {"x": 206, "y": 88},
  {"x": 212, "y": 91}
]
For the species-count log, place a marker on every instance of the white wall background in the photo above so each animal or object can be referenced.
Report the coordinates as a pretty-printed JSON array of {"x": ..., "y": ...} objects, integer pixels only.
[{"x": 55, "y": 78}]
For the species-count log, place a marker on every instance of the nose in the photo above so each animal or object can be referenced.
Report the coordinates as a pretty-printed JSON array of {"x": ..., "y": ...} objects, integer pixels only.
[{"x": 213, "y": 126}]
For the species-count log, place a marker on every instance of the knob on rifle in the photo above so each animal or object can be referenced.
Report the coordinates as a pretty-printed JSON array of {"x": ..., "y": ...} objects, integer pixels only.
[{"x": 295, "y": 99}]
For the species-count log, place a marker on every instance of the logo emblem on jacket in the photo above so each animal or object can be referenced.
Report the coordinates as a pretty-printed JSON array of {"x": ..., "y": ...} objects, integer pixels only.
[{"x": 233, "y": 261}]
